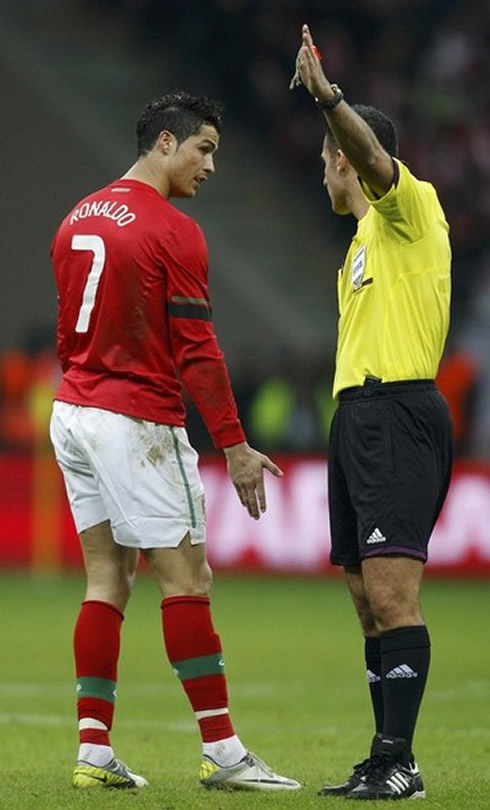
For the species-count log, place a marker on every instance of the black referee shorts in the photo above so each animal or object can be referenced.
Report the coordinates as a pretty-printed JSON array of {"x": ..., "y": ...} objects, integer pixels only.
[{"x": 389, "y": 466}]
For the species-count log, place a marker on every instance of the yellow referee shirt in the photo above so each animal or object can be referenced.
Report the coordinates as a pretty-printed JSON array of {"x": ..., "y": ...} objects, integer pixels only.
[{"x": 394, "y": 288}]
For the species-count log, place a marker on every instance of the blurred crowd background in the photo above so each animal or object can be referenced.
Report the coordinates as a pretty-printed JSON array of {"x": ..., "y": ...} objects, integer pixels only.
[{"x": 274, "y": 243}]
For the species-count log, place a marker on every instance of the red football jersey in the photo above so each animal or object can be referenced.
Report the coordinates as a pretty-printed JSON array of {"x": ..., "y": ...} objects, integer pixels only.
[{"x": 134, "y": 315}]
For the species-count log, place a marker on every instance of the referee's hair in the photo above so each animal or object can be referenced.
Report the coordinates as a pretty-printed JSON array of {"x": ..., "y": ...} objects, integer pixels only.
[
  {"x": 180, "y": 113},
  {"x": 382, "y": 126}
]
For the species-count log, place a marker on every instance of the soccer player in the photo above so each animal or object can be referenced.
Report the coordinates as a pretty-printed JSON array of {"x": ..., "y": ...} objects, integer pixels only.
[
  {"x": 135, "y": 317},
  {"x": 390, "y": 441}
]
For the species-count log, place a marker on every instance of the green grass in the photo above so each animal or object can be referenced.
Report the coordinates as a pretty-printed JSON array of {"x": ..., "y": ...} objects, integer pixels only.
[{"x": 297, "y": 688}]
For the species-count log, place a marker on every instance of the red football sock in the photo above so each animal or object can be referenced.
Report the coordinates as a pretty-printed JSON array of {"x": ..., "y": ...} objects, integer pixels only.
[
  {"x": 194, "y": 650},
  {"x": 96, "y": 645}
]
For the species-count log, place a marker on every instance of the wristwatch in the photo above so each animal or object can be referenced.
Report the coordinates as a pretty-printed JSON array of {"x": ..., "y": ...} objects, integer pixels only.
[{"x": 329, "y": 105}]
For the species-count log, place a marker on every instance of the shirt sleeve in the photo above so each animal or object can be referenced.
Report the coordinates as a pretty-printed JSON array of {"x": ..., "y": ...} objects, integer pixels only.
[
  {"x": 403, "y": 207},
  {"x": 197, "y": 354}
]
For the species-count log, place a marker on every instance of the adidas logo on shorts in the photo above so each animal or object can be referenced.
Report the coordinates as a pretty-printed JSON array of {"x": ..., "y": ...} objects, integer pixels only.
[
  {"x": 376, "y": 537},
  {"x": 403, "y": 671}
]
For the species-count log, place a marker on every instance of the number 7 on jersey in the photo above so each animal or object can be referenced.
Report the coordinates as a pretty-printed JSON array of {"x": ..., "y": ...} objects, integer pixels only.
[{"x": 96, "y": 245}]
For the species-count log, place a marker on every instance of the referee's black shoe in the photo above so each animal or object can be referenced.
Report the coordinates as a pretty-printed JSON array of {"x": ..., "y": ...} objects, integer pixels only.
[
  {"x": 392, "y": 774},
  {"x": 358, "y": 775}
]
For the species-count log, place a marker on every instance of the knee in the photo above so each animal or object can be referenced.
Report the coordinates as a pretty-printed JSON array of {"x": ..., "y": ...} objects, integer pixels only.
[
  {"x": 113, "y": 579},
  {"x": 203, "y": 581},
  {"x": 191, "y": 582},
  {"x": 389, "y": 611},
  {"x": 114, "y": 588}
]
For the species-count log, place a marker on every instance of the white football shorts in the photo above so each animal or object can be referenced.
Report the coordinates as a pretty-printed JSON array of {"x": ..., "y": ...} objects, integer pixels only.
[{"x": 141, "y": 476}]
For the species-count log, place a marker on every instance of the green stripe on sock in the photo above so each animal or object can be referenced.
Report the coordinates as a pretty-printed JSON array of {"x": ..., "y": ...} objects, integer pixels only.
[
  {"x": 97, "y": 688},
  {"x": 197, "y": 667}
]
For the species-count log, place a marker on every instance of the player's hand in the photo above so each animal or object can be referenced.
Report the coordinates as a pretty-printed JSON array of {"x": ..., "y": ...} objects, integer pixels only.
[
  {"x": 246, "y": 470},
  {"x": 309, "y": 69}
]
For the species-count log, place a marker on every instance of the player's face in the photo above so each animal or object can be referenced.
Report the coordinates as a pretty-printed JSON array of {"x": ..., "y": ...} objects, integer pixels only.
[
  {"x": 333, "y": 179},
  {"x": 193, "y": 162}
]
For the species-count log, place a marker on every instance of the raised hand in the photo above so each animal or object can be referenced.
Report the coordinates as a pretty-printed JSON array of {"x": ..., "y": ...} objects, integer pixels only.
[{"x": 309, "y": 71}]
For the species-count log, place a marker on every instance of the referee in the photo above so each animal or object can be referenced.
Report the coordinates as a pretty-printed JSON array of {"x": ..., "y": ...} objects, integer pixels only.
[{"x": 391, "y": 438}]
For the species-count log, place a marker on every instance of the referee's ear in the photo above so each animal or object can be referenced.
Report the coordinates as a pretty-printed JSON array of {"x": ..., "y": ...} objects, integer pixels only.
[{"x": 341, "y": 161}]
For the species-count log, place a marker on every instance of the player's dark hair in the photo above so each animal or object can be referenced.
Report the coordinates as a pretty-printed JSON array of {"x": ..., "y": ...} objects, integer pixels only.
[
  {"x": 382, "y": 126},
  {"x": 179, "y": 113}
]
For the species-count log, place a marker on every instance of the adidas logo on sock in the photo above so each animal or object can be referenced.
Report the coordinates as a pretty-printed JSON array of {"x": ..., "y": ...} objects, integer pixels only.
[
  {"x": 372, "y": 677},
  {"x": 403, "y": 671},
  {"x": 376, "y": 537}
]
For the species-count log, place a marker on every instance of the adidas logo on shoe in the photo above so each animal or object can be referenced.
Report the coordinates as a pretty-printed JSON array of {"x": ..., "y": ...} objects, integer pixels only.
[
  {"x": 372, "y": 677},
  {"x": 399, "y": 781},
  {"x": 376, "y": 537},
  {"x": 403, "y": 671}
]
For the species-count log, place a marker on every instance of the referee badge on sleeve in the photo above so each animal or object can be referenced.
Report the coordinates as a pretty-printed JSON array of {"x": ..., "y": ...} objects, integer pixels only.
[{"x": 358, "y": 265}]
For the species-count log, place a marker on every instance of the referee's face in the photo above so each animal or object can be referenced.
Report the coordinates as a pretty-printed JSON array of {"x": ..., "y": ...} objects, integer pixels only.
[{"x": 333, "y": 178}]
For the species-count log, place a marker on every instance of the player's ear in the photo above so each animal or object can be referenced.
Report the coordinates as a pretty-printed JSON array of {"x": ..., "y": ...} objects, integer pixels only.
[{"x": 165, "y": 141}]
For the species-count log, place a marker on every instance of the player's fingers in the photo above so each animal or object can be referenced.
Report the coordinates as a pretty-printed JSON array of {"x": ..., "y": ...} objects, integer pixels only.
[
  {"x": 261, "y": 495},
  {"x": 273, "y": 468},
  {"x": 252, "y": 506},
  {"x": 242, "y": 494},
  {"x": 247, "y": 499}
]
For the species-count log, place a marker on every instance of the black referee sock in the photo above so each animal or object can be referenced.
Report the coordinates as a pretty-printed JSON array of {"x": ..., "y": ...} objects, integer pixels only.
[
  {"x": 372, "y": 655},
  {"x": 405, "y": 659}
]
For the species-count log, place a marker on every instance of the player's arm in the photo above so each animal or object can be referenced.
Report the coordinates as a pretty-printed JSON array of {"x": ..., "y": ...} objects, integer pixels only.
[
  {"x": 204, "y": 373},
  {"x": 354, "y": 136}
]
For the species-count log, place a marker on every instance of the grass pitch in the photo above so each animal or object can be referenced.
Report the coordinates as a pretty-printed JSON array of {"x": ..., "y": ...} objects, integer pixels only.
[{"x": 298, "y": 694}]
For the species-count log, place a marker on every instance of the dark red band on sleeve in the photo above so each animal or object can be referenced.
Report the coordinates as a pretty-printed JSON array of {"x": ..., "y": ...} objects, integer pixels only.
[{"x": 199, "y": 311}]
